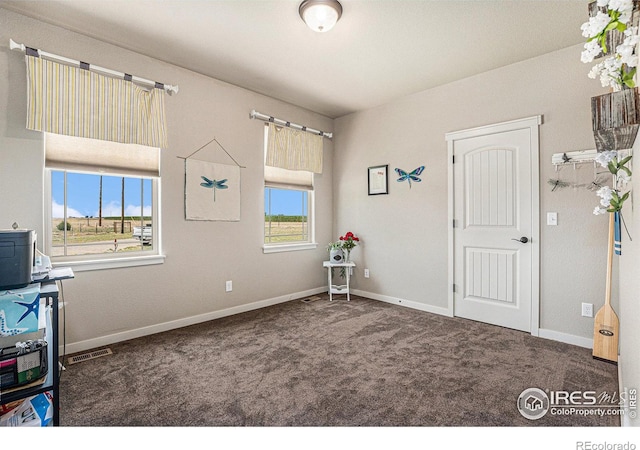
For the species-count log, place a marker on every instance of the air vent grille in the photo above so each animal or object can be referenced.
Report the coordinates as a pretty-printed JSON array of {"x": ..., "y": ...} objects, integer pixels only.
[{"x": 87, "y": 356}]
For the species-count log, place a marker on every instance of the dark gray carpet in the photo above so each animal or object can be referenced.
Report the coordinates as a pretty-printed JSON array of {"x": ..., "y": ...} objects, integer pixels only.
[{"x": 321, "y": 363}]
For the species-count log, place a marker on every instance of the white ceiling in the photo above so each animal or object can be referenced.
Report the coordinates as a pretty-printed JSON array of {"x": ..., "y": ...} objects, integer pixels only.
[{"x": 379, "y": 50}]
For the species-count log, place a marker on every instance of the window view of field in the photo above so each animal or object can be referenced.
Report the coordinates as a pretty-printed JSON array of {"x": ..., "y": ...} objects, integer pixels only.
[
  {"x": 85, "y": 235},
  {"x": 285, "y": 215},
  {"x": 281, "y": 228},
  {"x": 103, "y": 214}
]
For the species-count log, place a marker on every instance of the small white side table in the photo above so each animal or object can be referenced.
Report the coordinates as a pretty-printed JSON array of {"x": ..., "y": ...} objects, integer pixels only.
[{"x": 338, "y": 288}]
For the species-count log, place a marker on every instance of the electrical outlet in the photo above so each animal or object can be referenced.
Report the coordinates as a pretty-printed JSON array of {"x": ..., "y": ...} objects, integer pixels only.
[
  {"x": 366, "y": 273},
  {"x": 587, "y": 310},
  {"x": 229, "y": 286}
]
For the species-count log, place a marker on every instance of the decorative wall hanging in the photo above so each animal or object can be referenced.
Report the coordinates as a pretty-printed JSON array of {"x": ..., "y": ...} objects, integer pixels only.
[
  {"x": 212, "y": 190},
  {"x": 378, "y": 180},
  {"x": 411, "y": 176},
  {"x": 612, "y": 34}
]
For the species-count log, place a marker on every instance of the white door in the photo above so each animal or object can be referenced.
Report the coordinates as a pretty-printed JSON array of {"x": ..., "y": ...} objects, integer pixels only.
[{"x": 495, "y": 192}]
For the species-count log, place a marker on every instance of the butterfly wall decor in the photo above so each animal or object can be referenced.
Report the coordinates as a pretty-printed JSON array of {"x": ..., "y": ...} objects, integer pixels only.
[
  {"x": 214, "y": 184},
  {"x": 411, "y": 176}
]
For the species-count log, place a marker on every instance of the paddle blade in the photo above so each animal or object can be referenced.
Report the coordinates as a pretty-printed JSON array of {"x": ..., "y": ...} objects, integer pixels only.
[{"x": 605, "y": 334}]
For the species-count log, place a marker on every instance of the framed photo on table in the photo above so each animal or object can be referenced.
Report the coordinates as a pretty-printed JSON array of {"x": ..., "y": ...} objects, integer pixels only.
[{"x": 378, "y": 180}]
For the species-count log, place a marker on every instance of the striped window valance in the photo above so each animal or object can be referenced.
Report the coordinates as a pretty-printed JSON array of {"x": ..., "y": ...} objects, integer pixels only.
[
  {"x": 293, "y": 150},
  {"x": 72, "y": 101}
]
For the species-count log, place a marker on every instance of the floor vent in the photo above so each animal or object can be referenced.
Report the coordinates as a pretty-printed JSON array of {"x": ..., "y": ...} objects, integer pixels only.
[
  {"x": 87, "y": 356},
  {"x": 310, "y": 299}
]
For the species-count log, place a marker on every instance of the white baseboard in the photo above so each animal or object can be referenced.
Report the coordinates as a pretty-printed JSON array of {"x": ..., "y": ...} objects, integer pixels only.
[
  {"x": 399, "y": 301},
  {"x": 566, "y": 338},
  {"x": 542, "y": 332},
  {"x": 186, "y": 321}
]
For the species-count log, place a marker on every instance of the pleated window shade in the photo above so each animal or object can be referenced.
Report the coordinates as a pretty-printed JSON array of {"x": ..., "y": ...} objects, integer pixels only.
[
  {"x": 93, "y": 155},
  {"x": 279, "y": 178},
  {"x": 72, "y": 101},
  {"x": 275, "y": 177}
]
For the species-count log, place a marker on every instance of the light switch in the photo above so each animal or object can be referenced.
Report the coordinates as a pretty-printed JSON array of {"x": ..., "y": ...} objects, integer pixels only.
[{"x": 552, "y": 218}]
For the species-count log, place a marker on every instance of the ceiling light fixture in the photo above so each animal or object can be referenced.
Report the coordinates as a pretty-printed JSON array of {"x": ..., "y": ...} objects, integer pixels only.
[{"x": 320, "y": 15}]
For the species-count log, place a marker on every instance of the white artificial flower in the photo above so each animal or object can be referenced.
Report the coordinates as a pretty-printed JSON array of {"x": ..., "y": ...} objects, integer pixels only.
[
  {"x": 626, "y": 51},
  {"x": 595, "y": 25},
  {"x": 609, "y": 71},
  {"x": 591, "y": 50},
  {"x": 606, "y": 194},
  {"x": 626, "y": 55},
  {"x": 631, "y": 36},
  {"x": 625, "y": 16},
  {"x": 622, "y": 179},
  {"x": 603, "y": 3},
  {"x": 605, "y": 157},
  {"x": 595, "y": 70},
  {"x": 597, "y": 211},
  {"x": 621, "y": 5}
]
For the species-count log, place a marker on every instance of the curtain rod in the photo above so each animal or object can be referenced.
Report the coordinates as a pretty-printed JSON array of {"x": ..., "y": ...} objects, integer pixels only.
[
  {"x": 256, "y": 115},
  {"x": 21, "y": 47}
]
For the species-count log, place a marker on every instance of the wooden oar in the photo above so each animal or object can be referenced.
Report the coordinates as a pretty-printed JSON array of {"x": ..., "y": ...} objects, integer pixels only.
[{"x": 606, "y": 323}]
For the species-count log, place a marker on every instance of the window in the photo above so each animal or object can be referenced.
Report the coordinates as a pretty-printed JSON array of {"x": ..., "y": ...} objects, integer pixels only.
[
  {"x": 101, "y": 215},
  {"x": 286, "y": 215},
  {"x": 288, "y": 208}
]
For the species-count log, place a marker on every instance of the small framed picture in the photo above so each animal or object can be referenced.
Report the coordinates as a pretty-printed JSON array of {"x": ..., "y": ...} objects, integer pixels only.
[{"x": 378, "y": 180}]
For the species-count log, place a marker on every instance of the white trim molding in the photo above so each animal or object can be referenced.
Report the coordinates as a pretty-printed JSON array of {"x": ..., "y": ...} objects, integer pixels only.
[
  {"x": 402, "y": 302},
  {"x": 565, "y": 337},
  {"x": 183, "y": 322}
]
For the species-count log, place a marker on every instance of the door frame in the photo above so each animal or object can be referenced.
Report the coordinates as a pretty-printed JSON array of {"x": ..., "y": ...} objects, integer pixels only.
[{"x": 532, "y": 124}]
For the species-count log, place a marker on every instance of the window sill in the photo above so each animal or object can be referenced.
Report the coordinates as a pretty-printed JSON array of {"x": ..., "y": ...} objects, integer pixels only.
[
  {"x": 113, "y": 263},
  {"x": 277, "y": 248}
]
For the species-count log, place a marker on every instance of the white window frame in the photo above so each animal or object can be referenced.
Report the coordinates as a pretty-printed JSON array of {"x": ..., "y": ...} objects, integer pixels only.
[
  {"x": 81, "y": 263},
  {"x": 309, "y": 244}
]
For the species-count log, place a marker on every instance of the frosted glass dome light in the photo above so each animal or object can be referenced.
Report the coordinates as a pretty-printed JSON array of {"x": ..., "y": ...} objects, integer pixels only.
[{"x": 320, "y": 15}]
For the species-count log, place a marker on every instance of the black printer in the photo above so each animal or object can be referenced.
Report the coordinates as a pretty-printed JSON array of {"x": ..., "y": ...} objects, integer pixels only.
[{"x": 17, "y": 258}]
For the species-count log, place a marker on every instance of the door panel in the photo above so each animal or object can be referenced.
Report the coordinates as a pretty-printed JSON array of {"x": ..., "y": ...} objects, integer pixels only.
[
  {"x": 490, "y": 275},
  {"x": 492, "y": 204}
]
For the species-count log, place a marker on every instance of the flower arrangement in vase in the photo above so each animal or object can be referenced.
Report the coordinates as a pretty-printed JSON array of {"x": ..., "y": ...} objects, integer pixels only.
[
  {"x": 611, "y": 22},
  {"x": 342, "y": 248},
  {"x": 610, "y": 34},
  {"x": 349, "y": 242},
  {"x": 617, "y": 70},
  {"x": 612, "y": 199}
]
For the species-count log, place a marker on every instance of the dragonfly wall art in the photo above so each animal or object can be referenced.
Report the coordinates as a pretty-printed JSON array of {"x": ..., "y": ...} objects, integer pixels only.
[
  {"x": 214, "y": 184},
  {"x": 411, "y": 176}
]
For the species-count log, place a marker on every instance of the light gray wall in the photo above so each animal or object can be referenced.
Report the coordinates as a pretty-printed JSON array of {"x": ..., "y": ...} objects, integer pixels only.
[
  {"x": 201, "y": 256},
  {"x": 405, "y": 233},
  {"x": 629, "y": 306}
]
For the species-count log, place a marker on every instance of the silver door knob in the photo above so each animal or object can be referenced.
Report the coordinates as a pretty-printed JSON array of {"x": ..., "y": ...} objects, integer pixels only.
[{"x": 523, "y": 239}]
